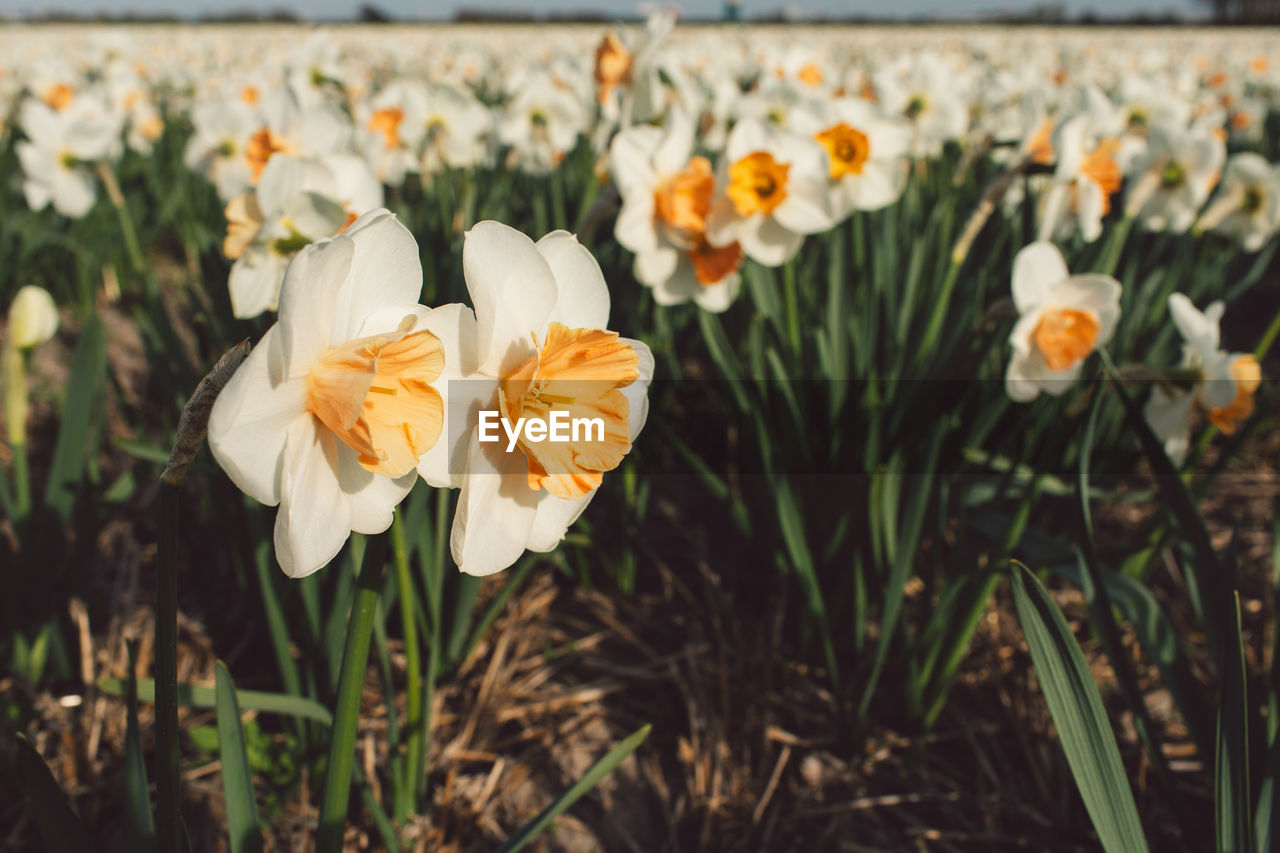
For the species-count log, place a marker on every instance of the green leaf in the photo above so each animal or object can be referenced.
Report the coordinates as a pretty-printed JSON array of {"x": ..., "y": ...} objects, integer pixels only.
[
  {"x": 237, "y": 780},
  {"x": 82, "y": 406},
  {"x": 1233, "y": 818},
  {"x": 598, "y": 771},
  {"x": 140, "y": 829},
  {"x": 199, "y": 696},
  {"x": 60, "y": 829},
  {"x": 1077, "y": 712}
]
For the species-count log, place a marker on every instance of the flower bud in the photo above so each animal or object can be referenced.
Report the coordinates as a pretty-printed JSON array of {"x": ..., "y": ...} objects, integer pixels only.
[{"x": 33, "y": 317}]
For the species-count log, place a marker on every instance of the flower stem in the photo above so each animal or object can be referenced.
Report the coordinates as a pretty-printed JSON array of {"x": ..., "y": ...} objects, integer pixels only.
[
  {"x": 15, "y": 412},
  {"x": 127, "y": 230},
  {"x": 346, "y": 717},
  {"x": 168, "y": 817},
  {"x": 793, "y": 310},
  {"x": 413, "y": 663}
]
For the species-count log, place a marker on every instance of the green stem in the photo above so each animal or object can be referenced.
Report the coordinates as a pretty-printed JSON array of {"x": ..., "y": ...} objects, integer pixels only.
[
  {"x": 940, "y": 308},
  {"x": 413, "y": 664},
  {"x": 1115, "y": 246},
  {"x": 127, "y": 230},
  {"x": 15, "y": 412},
  {"x": 1268, "y": 338},
  {"x": 793, "y": 311},
  {"x": 346, "y": 717},
  {"x": 168, "y": 816}
]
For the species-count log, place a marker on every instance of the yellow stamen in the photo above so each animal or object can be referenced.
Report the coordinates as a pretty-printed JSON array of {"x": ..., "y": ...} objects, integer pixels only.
[
  {"x": 848, "y": 149},
  {"x": 58, "y": 96},
  {"x": 711, "y": 264},
  {"x": 580, "y": 370},
  {"x": 683, "y": 200},
  {"x": 1040, "y": 146},
  {"x": 1064, "y": 336},
  {"x": 1100, "y": 166},
  {"x": 810, "y": 75},
  {"x": 387, "y": 122},
  {"x": 613, "y": 65},
  {"x": 757, "y": 183},
  {"x": 375, "y": 394},
  {"x": 262, "y": 145},
  {"x": 1247, "y": 373}
]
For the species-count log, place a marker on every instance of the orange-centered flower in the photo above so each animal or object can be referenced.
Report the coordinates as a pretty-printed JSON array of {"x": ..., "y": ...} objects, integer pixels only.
[
  {"x": 261, "y": 146},
  {"x": 810, "y": 75},
  {"x": 757, "y": 183},
  {"x": 613, "y": 65},
  {"x": 1100, "y": 166},
  {"x": 1064, "y": 336},
  {"x": 249, "y": 94},
  {"x": 387, "y": 122},
  {"x": 58, "y": 96},
  {"x": 375, "y": 395},
  {"x": 712, "y": 263},
  {"x": 1040, "y": 146},
  {"x": 578, "y": 371},
  {"x": 1248, "y": 376},
  {"x": 847, "y": 149},
  {"x": 683, "y": 200}
]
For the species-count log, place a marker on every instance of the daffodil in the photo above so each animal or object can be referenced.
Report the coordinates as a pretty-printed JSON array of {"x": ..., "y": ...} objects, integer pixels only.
[
  {"x": 666, "y": 199},
  {"x": 1062, "y": 320},
  {"x": 1221, "y": 383},
  {"x": 1247, "y": 204},
  {"x": 331, "y": 412},
  {"x": 538, "y": 343},
  {"x": 774, "y": 193}
]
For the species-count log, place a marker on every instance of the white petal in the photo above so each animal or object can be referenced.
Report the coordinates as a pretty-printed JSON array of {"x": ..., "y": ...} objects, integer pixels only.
[
  {"x": 637, "y": 393},
  {"x": 308, "y": 300},
  {"x": 371, "y": 498},
  {"x": 1169, "y": 415},
  {"x": 767, "y": 242},
  {"x": 74, "y": 192},
  {"x": 385, "y": 271},
  {"x": 1036, "y": 268},
  {"x": 582, "y": 297},
  {"x": 252, "y": 417},
  {"x": 495, "y": 510},
  {"x": 634, "y": 227},
  {"x": 554, "y": 518},
  {"x": 314, "y": 519},
  {"x": 512, "y": 289},
  {"x": 255, "y": 281},
  {"x": 1200, "y": 331}
]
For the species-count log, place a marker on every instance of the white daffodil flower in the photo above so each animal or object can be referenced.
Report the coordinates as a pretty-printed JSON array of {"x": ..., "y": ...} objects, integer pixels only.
[
  {"x": 666, "y": 198},
  {"x": 537, "y": 343},
  {"x": 774, "y": 193},
  {"x": 297, "y": 202},
  {"x": 1062, "y": 319},
  {"x": 1221, "y": 383},
  {"x": 59, "y": 153},
  {"x": 866, "y": 153},
  {"x": 331, "y": 412},
  {"x": 1247, "y": 204}
]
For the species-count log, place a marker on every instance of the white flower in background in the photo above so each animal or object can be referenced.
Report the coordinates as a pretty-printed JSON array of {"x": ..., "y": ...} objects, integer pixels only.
[
  {"x": 866, "y": 154},
  {"x": 217, "y": 148},
  {"x": 666, "y": 198},
  {"x": 1221, "y": 383},
  {"x": 1062, "y": 319},
  {"x": 60, "y": 151},
  {"x": 452, "y": 129},
  {"x": 774, "y": 193},
  {"x": 541, "y": 123},
  {"x": 536, "y": 342},
  {"x": 1247, "y": 204},
  {"x": 1084, "y": 180},
  {"x": 290, "y": 127},
  {"x": 330, "y": 413},
  {"x": 1175, "y": 176},
  {"x": 33, "y": 317},
  {"x": 297, "y": 202},
  {"x": 931, "y": 93}
]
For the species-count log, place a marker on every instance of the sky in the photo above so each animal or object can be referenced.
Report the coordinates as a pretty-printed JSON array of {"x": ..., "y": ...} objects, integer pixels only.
[{"x": 444, "y": 9}]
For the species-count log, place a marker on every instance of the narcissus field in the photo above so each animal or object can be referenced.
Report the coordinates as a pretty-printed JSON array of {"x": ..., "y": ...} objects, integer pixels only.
[{"x": 642, "y": 438}]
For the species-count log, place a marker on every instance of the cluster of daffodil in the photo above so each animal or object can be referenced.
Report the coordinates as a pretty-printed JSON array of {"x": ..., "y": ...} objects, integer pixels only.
[
  {"x": 344, "y": 402},
  {"x": 718, "y": 156}
]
